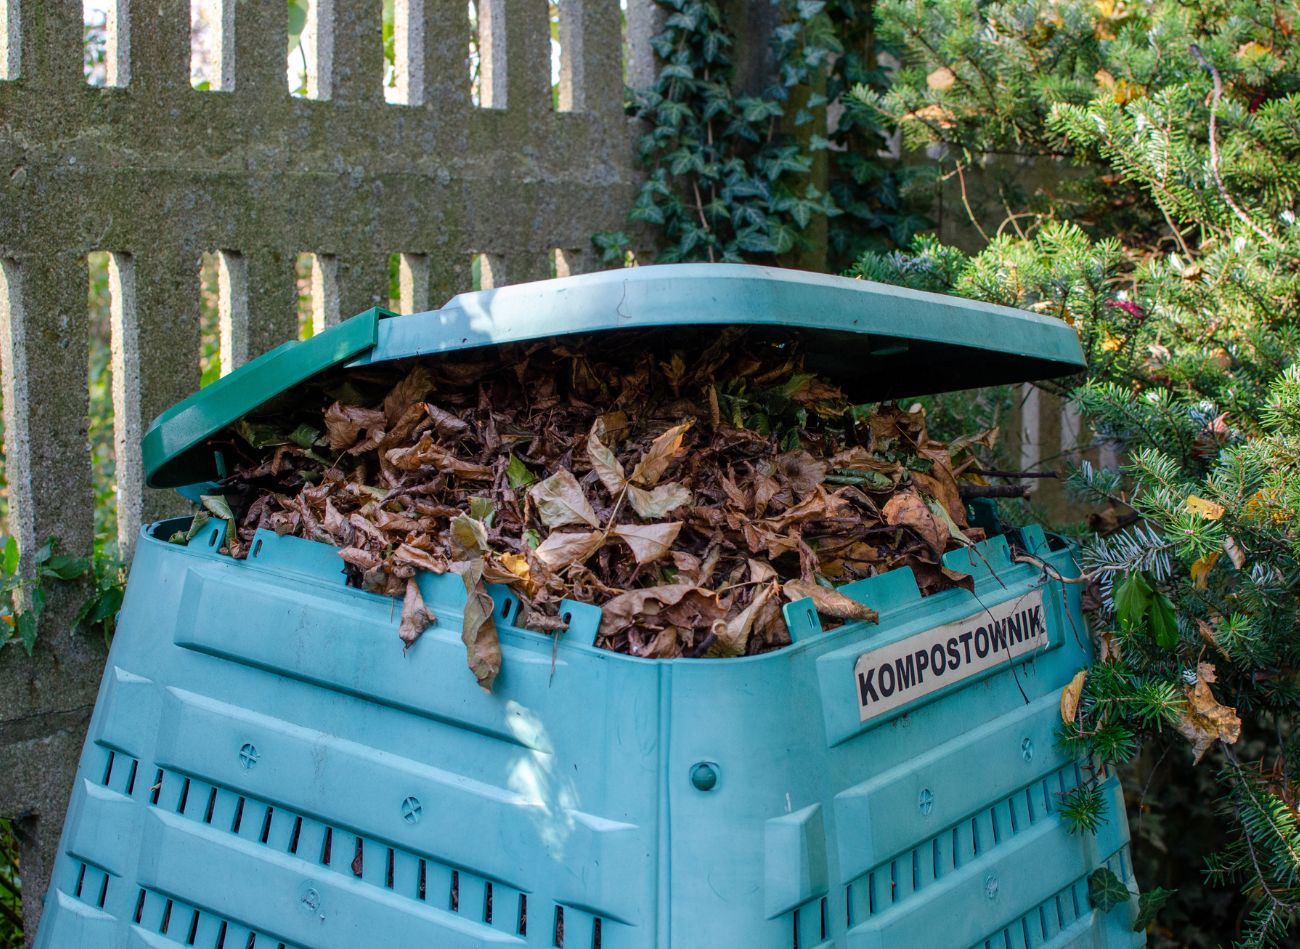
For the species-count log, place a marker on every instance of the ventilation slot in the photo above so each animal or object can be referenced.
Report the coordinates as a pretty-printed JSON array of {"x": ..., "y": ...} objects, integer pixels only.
[
  {"x": 483, "y": 901},
  {"x": 181, "y": 924},
  {"x": 953, "y": 847}
]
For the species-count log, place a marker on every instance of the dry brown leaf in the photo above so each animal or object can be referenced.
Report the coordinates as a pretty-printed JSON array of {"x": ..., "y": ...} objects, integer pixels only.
[
  {"x": 560, "y": 501},
  {"x": 411, "y": 389},
  {"x": 648, "y": 541},
  {"x": 422, "y": 559},
  {"x": 830, "y": 603},
  {"x": 478, "y": 632},
  {"x": 908, "y": 509},
  {"x": 663, "y": 452},
  {"x": 1205, "y": 721},
  {"x": 416, "y": 617},
  {"x": 659, "y": 502},
  {"x": 941, "y": 79},
  {"x": 732, "y": 635},
  {"x": 1070, "y": 696},
  {"x": 634, "y": 605},
  {"x": 607, "y": 467},
  {"x": 1235, "y": 553},
  {"x": 345, "y": 423},
  {"x": 468, "y": 536},
  {"x": 562, "y": 548},
  {"x": 1108, "y": 647}
]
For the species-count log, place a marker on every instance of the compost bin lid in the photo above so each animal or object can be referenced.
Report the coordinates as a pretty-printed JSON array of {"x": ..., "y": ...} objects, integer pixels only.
[{"x": 874, "y": 340}]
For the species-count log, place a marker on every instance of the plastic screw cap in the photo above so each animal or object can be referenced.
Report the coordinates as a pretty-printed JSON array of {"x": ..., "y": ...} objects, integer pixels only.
[{"x": 704, "y": 776}]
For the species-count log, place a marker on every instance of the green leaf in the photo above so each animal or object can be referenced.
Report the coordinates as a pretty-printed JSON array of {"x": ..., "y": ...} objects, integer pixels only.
[
  {"x": 518, "y": 475},
  {"x": 304, "y": 436},
  {"x": 45, "y": 552},
  {"x": 1164, "y": 626},
  {"x": 1150, "y": 903},
  {"x": 106, "y": 604},
  {"x": 10, "y": 562},
  {"x": 66, "y": 567},
  {"x": 220, "y": 507},
  {"x": 1132, "y": 600},
  {"x": 482, "y": 509},
  {"x": 26, "y": 625},
  {"x": 1105, "y": 890}
]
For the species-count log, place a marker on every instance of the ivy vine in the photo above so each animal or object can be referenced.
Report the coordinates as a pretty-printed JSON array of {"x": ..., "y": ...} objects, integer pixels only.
[{"x": 737, "y": 176}]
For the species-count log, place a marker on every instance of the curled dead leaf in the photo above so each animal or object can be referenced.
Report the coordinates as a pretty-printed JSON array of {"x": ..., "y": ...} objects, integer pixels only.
[
  {"x": 478, "y": 632},
  {"x": 1205, "y": 721},
  {"x": 830, "y": 603},
  {"x": 663, "y": 451},
  {"x": 1070, "y": 696},
  {"x": 416, "y": 617},
  {"x": 908, "y": 509}
]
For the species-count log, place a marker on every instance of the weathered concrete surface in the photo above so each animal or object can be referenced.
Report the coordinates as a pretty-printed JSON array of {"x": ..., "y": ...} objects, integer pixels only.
[{"x": 163, "y": 173}]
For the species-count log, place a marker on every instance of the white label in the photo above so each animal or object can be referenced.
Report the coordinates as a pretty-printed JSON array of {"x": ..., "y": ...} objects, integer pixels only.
[{"x": 904, "y": 671}]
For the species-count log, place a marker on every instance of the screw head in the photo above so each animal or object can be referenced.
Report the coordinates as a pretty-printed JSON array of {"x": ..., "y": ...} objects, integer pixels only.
[
  {"x": 248, "y": 755},
  {"x": 1027, "y": 749},
  {"x": 412, "y": 810},
  {"x": 925, "y": 801},
  {"x": 704, "y": 776}
]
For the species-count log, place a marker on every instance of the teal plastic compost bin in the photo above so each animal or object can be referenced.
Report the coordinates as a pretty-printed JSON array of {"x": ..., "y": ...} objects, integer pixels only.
[{"x": 266, "y": 768}]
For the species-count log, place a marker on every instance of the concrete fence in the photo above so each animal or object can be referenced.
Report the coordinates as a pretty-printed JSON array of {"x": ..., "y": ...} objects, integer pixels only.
[
  {"x": 512, "y": 168},
  {"x": 156, "y": 173}
]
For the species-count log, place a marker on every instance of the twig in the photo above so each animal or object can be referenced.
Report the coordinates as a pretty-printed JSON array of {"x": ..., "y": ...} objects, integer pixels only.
[
  {"x": 990, "y": 473},
  {"x": 968, "y": 491},
  {"x": 966, "y": 204},
  {"x": 1214, "y": 146}
]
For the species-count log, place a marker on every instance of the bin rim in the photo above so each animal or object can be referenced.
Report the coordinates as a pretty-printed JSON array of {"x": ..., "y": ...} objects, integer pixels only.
[{"x": 875, "y": 340}]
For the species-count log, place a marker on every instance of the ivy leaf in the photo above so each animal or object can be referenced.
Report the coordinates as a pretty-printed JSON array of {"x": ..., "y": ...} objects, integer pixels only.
[
  {"x": 10, "y": 556},
  {"x": 1105, "y": 890},
  {"x": 810, "y": 8},
  {"x": 1150, "y": 903}
]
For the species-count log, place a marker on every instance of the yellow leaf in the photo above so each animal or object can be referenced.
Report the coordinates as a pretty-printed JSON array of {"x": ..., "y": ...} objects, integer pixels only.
[
  {"x": 1070, "y": 697},
  {"x": 941, "y": 79},
  {"x": 1253, "y": 48},
  {"x": 516, "y": 564},
  {"x": 1201, "y": 570},
  {"x": 1104, "y": 79},
  {"x": 1110, "y": 343},
  {"x": 1125, "y": 92},
  {"x": 1207, "y": 509}
]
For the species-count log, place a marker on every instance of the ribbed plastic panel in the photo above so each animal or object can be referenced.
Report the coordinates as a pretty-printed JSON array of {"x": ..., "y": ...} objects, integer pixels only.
[{"x": 267, "y": 768}]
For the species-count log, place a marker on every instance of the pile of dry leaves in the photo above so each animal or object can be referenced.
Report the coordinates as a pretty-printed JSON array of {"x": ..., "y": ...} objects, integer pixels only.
[{"x": 688, "y": 491}]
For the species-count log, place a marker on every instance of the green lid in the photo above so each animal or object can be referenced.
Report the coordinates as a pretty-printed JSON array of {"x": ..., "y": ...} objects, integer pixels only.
[
  {"x": 876, "y": 341},
  {"x": 173, "y": 447}
]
